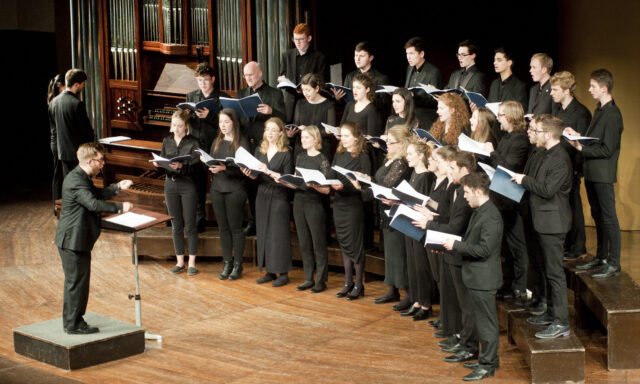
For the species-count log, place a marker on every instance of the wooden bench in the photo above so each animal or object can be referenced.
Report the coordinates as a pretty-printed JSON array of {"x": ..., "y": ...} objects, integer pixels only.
[
  {"x": 557, "y": 360},
  {"x": 615, "y": 303},
  {"x": 504, "y": 308}
]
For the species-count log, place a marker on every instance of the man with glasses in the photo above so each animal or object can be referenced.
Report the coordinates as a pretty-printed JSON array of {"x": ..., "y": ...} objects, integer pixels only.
[
  {"x": 549, "y": 184},
  {"x": 79, "y": 228},
  {"x": 468, "y": 76},
  {"x": 296, "y": 63}
]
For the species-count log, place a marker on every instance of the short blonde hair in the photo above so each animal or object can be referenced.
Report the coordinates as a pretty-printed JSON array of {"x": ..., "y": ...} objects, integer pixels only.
[
  {"x": 315, "y": 133},
  {"x": 545, "y": 61},
  {"x": 183, "y": 115},
  {"x": 88, "y": 151},
  {"x": 564, "y": 80}
]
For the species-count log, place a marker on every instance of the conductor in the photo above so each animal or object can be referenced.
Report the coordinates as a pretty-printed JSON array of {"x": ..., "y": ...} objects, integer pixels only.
[{"x": 79, "y": 228}]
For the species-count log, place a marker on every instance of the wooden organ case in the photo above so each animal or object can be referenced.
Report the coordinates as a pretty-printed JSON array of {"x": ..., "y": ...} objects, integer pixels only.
[{"x": 138, "y": 39}]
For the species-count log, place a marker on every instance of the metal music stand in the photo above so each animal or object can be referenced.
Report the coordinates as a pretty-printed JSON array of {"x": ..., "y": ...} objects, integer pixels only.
[{"x": 159, "y": 218}]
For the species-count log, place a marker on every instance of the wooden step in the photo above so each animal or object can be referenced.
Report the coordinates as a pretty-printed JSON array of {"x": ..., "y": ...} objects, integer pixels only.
[{"x": 504, "y": 308}]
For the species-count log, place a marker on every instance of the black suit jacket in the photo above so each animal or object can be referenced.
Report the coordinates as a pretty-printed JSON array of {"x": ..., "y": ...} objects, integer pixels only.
[
  {"x": 480, "y": 249},
  {"x": 474, "y": 80},
  {"x": 514, "y": 89},
  {"x": 317, "y": 63},
  {"x": 72, "y": 126},
  {"x": 540, "y": 100},
  {"x": 578, "y": 117},
  {"x": 205, "y": 130},
  {"x": 428, "y": 74},
  {"x": 457, "y": 222},
  {"x": 253, "y": 128},
  {"x": 79, "y": 224},
  {"x": 549, "y": 185},
  {"x": 601, "y": 157}
]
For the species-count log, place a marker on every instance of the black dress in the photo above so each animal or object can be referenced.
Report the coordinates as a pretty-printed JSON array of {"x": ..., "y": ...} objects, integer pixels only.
[
  {"x": 395, "y": 259},
  {"x": 418, "y": 268},
  {"x": 315, "y": 114},
  {"x": 310, "y": 218},
  {"x": 272, "y": 215},
  {"x": 394, "y": 120},
  {"x": 438, "y": 193},
  {"x": 348, "y": 208},
  {"x": 368, "y": 119}
]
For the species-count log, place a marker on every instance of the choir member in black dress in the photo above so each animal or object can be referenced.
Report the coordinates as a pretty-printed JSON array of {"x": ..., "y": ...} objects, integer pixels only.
[
  {"x": 403, "y": 110},
  {"x": 309, "y": 212},
  {"x": 418, "y": 270},
  {"x": 540, "y": 100},
  {"x": 512, "y": 152},
  {"x": 229, "y": 194},
  {"x": 453, "y": 119},
  {"x": 314, "y": 109},
  {"x": 180, "y": 190},
  {"x": 273, "y": 212},
  {"x": 56, "y": 86},
  {"x": 578, "y": 117},
  {"x": 362, "y": 110},
  {"x": 390, "y": 174},
  {"x": 348, "y": 214}
]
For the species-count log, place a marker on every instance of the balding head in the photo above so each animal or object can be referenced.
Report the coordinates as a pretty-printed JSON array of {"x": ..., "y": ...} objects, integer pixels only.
[{"x": 253, "y": 74}]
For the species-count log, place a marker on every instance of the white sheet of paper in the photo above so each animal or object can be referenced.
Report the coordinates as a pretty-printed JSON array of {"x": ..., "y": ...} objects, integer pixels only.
[
  {"x": 489, "y": 170},
  {"x": 131, "y": 219},
  {"x": 109, "y": 140},
  {"x": 286, "y": 83},
  {"x": 386, "y": 89},
  {"x": 493, "y": 107},
  {"x": 509, "y": 172},
  {"x": 384, "y": 192},
  {"x": 465, "y": 143},
  {"x": 405, "y": 187},
  {"x": 246, "y": 159},
  {"x": 409, "y": 212},
  {"x": 577, "y": 137},
  {"x": 437, "y": 237},
  {"x": 331, "y": 129}
]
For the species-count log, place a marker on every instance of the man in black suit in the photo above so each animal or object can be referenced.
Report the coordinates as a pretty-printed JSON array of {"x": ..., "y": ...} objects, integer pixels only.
[
  {"x": 204, "y": 127},
  {"x": 420, "y": 71},
  {"x": 67, "y": 113},
  {"x": 576, "y": 116},
  {"x": 549, "y": 185},
  {"x": 468, "y": 76},
  {"x": 296, "y": 63},
  {"x": 481, "y": 271},
  {"x": 540, "y": 100},
  {"x": 79, "y": 228},
  {"x": 507, "y": 86},
  {"x": 600, "y": 167},
  {"x": 253, "y": 128}
]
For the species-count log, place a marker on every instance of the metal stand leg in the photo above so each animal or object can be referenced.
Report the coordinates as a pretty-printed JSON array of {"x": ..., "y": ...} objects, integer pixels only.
[{"x": 147, "y": 335}]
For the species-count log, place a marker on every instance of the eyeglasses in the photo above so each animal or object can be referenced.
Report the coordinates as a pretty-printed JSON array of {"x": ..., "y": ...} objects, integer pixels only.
[
  {"x": 392, "y": 142},
  {"x": 535, "y": 130},
  {"x": 100, "y": 160},
  {"x": 461, "y": 55},
  {"x": 500, "y": 114}
]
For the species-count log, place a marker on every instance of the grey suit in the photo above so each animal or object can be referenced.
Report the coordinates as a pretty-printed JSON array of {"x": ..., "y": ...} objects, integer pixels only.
[{"x": 78, "y": 229}]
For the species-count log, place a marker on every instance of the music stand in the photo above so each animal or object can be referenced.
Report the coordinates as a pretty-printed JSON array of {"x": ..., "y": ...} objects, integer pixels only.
[{"x": 159, "y": 218}]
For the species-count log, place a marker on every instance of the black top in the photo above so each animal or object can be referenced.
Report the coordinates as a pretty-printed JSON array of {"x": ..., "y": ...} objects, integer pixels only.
[
  {"x": 578, "y": 117},
  {"x": 457, "y": 221},
  {"x": 471, "y": 79},
  {"x": 382, "y": 100},
  {"x": 510, "y": 89},
  {"x": 315, "y": 114},
  {"x": 512, "y": 151},
  {"x": 368, "y": 119},
  {"x": 281, "y": 163},
  {"x": 69, "y": 124},
  {"x": 232, "y": 178},
  {"x": 318, "y": 162},
  {"x": 253, "y": 128},
  {"x": 422, "y": 182},
  {"x": 294, "y": 66},
  {"x": 391, "y": 175},
  {"x": 439, "y": 193},
  {"x": 187, "y": 146},
  {"x": 360, "y": 164},
  {"x": 426, "y": 74},
  {"x": 204, "y": 130},
  {"x": 601, "y": 157},
  {"x": 397, "y": 120},
  {"x": 540, "y": 100}
]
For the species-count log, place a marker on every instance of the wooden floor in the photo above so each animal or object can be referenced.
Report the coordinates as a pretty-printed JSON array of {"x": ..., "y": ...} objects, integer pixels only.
[{"x": 232, "y": 332}]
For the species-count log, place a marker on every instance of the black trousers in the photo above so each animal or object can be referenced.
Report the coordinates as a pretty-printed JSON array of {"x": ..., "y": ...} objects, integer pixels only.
[
  {"x": 229, "y": 209},
  {"x": 486, "y": 326},
  {"x": 200, "y": 179},
  {"x": 56, "y": 180},
  {"x": 514, "y": 247},
  {"x": 536, "y": 281},
  {"x": 419, "y": 272},
  {"x": 182, "y": 200},
  {"x": 310, "y": 218},
  {"x": 576, "y": 238},
  {"x": 450, "y": 312},
  {"x": 553, "y": 251},
  {"x": 77, "y": 272},
  {"x": 468, "y": 335},
  {"x": 602, "y": 200}
]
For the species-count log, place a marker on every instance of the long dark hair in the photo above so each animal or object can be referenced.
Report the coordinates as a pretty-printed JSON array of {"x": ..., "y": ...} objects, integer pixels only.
[
  {"x": 54, "y": 87},
  {"x": 409, "y": 110},
  {"x": 235, "y": 142}
]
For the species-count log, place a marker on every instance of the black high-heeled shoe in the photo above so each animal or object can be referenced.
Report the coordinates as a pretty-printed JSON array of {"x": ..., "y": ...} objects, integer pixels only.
[
  {"x": 356, "y": 292},
  {"x": 345, "y": 290}
]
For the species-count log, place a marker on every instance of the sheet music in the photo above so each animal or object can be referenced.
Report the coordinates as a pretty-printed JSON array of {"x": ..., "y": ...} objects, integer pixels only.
[
  {"x": 205, "y": 155},
  {"x": 382, "y": 192},
  {"x": 286, "y": 83},
  {"x": 493, "y": 107},
  {"x": 409, "y": 212},
  {"x": 465, "y": 143},
  {"x": 109, "y": 140},
  {"x": 131, "y": 220},
  {"x": 489, "y": 170},
  {"x": 349, "y": 174},
  {"x": 247, "y": 160},
  {"x": 386, "y": 89},
  {"x": 313, "y": 175},
  {"x": 406, "y": 188},
  {"x": 331, "y": 129},
  {"x": 438, "y": 238}
]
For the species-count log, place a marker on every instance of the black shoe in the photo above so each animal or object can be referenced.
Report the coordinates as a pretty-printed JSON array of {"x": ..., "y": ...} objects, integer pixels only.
[
  {"x": 440, "y": 335},
  {"x": 306, "y": 285},
  {"x": 542, "y": 320},
  {"x": 595, "y": 262},
  {"x": 460, "y": 357},
  {"x": 402, "y": 305},
  {"x": 570, "y": 256},
  {"x": 319, "y": 287},
  {"x": 412, "y": 311},
  {"x": 355, "y": 293},
  {"x": 202, "y": 225},
  {"x": 345, "y": 290},
  {"x": 479, "y": 374},
  {"x": 82, "y": 329},
  {"x": 606, "y": 270},
  {"x": 453, "y": 349},
  {"x": 250, "y": 229},
  {"x": 266, "y": 278},
  {"x": 554, "y": 330},
  {"x": 435, "y": 321},
  {"x": 388, "y": 298},
  {"x": 282, "y": 280},
  {"x": 539, "y": 310},
  {"x": 227, "y": 266},
  {"x": 510, "y": 294},
  {"x": 237, "y": 271},
  {"x": 423, "y": 314},
  {"x": 449, "y": 342}
]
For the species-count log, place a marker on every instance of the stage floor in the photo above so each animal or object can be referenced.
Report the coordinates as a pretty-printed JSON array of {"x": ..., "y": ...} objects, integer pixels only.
[{"x": 234, "y": 331}]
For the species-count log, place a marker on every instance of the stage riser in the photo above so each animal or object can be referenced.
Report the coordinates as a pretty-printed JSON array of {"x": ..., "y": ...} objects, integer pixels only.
[{"x": 504, "y": 308}]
